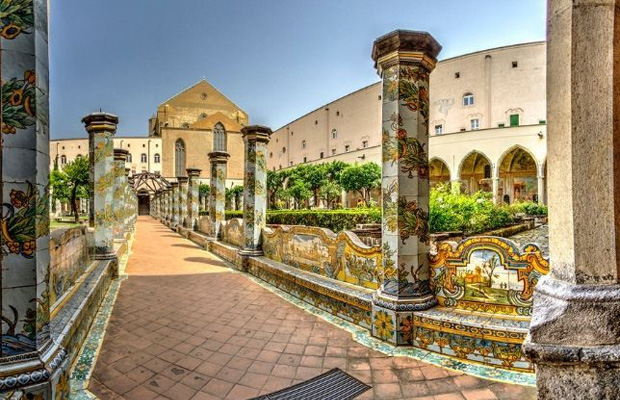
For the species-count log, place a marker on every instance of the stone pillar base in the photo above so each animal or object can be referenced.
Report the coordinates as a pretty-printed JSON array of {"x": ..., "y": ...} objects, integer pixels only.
[
  {"x": 43, "y": 376},
  {"x": 392, "y": 319},
  {"x": 574, "y": 340},
  {"x": 243, "y": 256}
]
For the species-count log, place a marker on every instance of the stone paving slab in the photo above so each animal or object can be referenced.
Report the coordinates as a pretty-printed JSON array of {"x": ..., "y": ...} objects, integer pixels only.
[{"x": 186, "y": 327}]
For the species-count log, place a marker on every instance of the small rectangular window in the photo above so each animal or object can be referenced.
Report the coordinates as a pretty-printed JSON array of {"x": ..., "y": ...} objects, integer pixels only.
[
  {"x": 475, "y": 124},
  {"x": 316, "y": 122},
  {"x": 501, "y": 125},
  {"x": 457, "y": 75},
  {"x": 305, "y": 159},
  {"x": 322, "y": 155},
  {"x": 514, "y": 120},
  {"x": 438, "y": 129},
  {"x": 515, "y": 64},
  {"x": 346, "y": 148},
  {"x": 542, "y": 121},
  {"x": 463, "y": 130},
  {"x": 333, "y": 152},
  {"x": 364, "y": 143}
]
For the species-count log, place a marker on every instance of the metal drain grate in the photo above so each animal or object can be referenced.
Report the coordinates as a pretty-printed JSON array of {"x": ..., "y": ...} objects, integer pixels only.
[{"x": 332, "y": 385}]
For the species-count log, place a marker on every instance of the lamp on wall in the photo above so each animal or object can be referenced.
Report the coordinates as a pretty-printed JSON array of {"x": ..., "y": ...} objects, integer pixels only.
[{"x": 540, "y": 135}]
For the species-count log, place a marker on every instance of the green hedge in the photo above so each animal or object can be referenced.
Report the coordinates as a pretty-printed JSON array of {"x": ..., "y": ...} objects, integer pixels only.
[{"x": 336, "y": 220}]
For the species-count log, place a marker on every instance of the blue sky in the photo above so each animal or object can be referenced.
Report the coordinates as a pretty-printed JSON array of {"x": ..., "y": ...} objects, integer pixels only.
[{"x": 276, "y": 59}]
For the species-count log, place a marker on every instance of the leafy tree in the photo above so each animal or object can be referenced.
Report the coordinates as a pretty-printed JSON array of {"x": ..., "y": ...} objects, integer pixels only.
[
  {"x": 77, "y": 175},
  {"x": 361, "y": 178},
  {"x": 299, "y": 191},
  {"x": 334, "y": 169},
  {"x": 275, "y": 181},
  {"x": 331, "y": 192},
  {"x": 59, "y": 187},
  {"x": 314, "y": 175}
]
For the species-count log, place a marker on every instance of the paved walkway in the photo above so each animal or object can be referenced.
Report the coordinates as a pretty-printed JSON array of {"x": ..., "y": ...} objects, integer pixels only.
[{"x": 186, "y": 327}]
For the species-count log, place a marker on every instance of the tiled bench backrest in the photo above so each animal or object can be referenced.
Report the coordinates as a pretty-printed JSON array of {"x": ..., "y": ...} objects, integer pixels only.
[
  {"x": 232, "y": 232},
  {"x": 487, "y": 274},
  {"x": 343, "y": 257}
]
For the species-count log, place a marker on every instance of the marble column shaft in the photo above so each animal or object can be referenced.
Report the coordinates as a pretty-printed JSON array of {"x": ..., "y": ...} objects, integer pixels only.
[
  {"x": 217, "y": 192},
  {"x": 256, "y": 139},
  {"x": 404, "y": 60}
]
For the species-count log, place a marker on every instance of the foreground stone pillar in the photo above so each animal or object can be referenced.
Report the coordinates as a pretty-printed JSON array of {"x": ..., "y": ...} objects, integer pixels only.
[
  {"x": 174, "y": 216},
  {"x": 31, "y": 363},
  {"x": 217, "y": 192},
  {"x": 574, "y": 337},
  {"x": 256, "y": 138},
  {"x": 404, "y": 60},
  {"x": 101, "y": 127},
  {"x": 183, "y": 183},
  {"x": 192, "y": 198},
  {"x": 120, "y": 194}
]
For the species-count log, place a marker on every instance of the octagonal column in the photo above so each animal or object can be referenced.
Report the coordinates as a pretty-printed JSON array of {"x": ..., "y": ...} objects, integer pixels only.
[
  {"x": 169, "y": 204},
  {"x": 27, "y": 350},
  {"x": 404, "y": 60},
  {"x": 120, "y": 193},
  {"x": 256, "y": 138},
  {"x": 192, "y": 198},
  {"x": 101, "y": 127},
  {"x": 574, "y": 337},
  {"x": 174, "y": 216},
  {"x": 217, "y": 192},
  {"x": 166, "y": 205},
  {"x": 183, "y": 185}
]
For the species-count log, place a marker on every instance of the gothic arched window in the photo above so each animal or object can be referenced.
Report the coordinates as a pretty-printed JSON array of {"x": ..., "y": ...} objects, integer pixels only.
[
  {"x": 219, "y": 137},
  {"x": 179, "y": 158}
]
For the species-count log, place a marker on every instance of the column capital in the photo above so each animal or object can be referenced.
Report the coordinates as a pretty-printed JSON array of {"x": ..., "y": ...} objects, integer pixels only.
[
  {"x": 182, "y": 179},
  {"x": 174, "y": 185},
  {"x": 218, "y": 157},
  {"x": 100, "y": 122},
  {"x": 404, "y": 46},
  {"x": 257, "y": 133},
  {"x": 127, "y": 171},
  {"x": 191, "y": 172},
  {"x": 120, "y": 155}
]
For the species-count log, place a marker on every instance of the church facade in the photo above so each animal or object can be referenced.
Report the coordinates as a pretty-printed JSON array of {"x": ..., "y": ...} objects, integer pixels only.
[{"x": 181, "y": 135}]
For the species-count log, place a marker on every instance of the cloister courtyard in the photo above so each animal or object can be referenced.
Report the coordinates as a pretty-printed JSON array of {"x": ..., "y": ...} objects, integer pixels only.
[{"x": 345, "y": 255}]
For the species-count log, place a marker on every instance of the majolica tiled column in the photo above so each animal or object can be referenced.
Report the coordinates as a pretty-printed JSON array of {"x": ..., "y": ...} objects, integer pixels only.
[
  {"x": 192, "y": 198},
  {"x": 183, "y": 183},
  {"x": 255, "y": 187},
  {"x": 101, "y": 128},
  {"x": 174, "y": 217},
  {"x": 120, "y": 193},
  {"x": 404, "y": 60},
  {"x": 127, "y": 199},
  {"x": 166, "y": 205},
  {"x": 574, "y": 337},
  {"x": 217, "y": 192},
  {"x": 169, "y": 204},
  {"x": 27, "y": 351}
]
